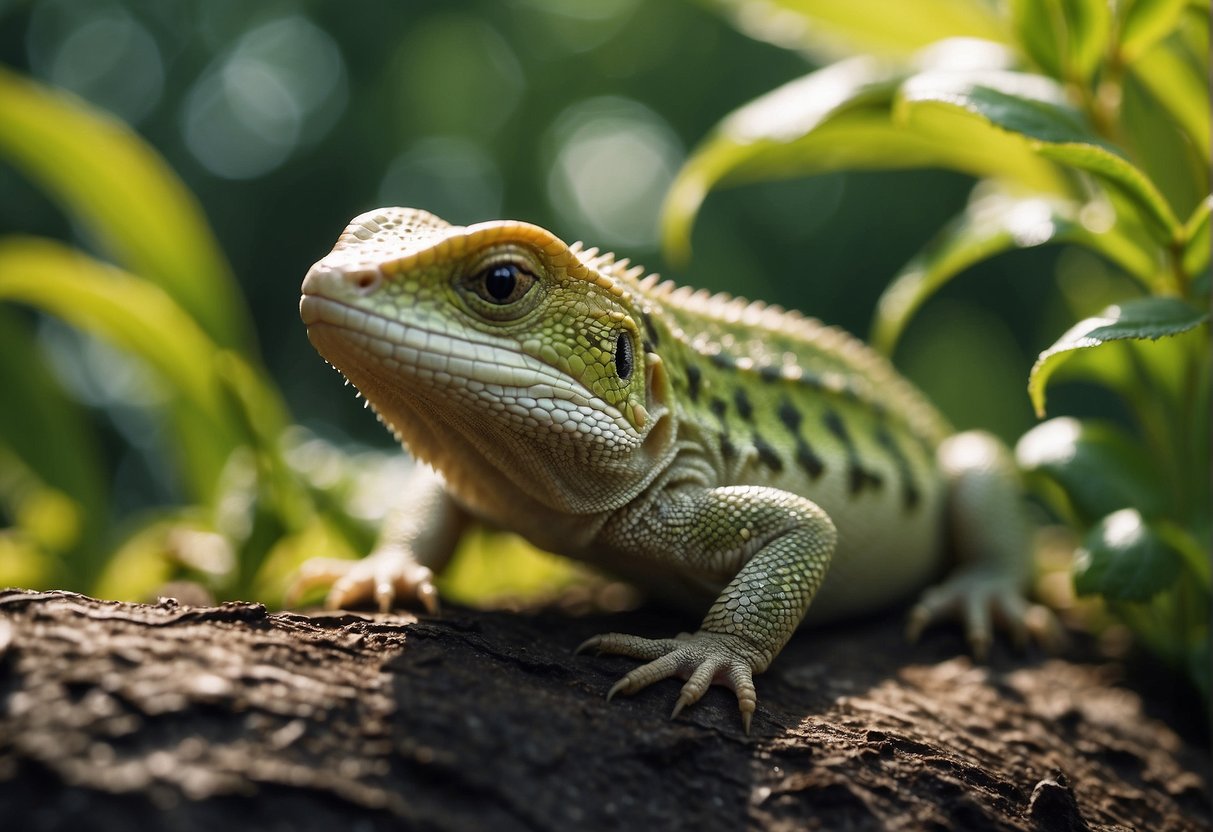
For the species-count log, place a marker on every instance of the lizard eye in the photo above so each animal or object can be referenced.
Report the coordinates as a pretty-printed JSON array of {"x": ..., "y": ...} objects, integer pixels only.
[
  {"x": 502, "y": 283},
  {"x": 624, "y": 359}
]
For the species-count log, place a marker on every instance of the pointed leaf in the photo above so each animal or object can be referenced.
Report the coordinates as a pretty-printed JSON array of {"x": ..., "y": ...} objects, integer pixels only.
[
  {"x": 1196, "y": 250},
  {"x": 1097, "y": 465},
  {"x": 837, "y": 27},
  {"x": 839, "y": 118},
  {"x": 1033, "y": 112},
  {"x": 1145, "y": 22},
  {"x": 104, "y": 175},
  {"x": 1123, "y": 559},
  {"x": 140, "y": 318},
  {"x": 1067, "y": 38},
  {"x": 122, "y": 309},
  {"x": 1139, "y": 319},
  {"x": 1180, "y": 87},
  {"x": 70, "y": 464},
  {"x": 988, "y": 226}
]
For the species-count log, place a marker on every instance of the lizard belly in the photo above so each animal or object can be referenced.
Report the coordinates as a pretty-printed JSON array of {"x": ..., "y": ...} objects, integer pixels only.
[{"x": 885, "y": 555}]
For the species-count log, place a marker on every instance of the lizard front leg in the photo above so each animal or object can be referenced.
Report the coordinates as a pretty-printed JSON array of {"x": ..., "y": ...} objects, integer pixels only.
[
  {"x": 417, "y": 540},
  {"x": 776, "y": 546}
]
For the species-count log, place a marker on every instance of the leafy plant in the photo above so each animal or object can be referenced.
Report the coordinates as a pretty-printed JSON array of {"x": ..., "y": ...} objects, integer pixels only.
[
  {"x": 248, "y": 502},
  {"x": 1086, "y": 123}
]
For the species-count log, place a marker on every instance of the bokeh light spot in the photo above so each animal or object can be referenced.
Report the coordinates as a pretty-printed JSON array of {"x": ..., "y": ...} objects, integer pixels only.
[
  {"x": 282, "y": 85},
  {"x": 614, "y": 161},
  {"x": 448, "y": 176}
]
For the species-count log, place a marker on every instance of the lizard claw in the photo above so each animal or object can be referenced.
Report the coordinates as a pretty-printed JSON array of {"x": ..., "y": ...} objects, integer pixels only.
[
  {"x": 702, "y": 659},
  {"x": 387, "y": 577},
  {"x": 979, "y": 599}
]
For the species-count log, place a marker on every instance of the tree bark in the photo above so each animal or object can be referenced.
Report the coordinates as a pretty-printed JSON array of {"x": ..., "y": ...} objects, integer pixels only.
[{"x": 170, "y": 717}]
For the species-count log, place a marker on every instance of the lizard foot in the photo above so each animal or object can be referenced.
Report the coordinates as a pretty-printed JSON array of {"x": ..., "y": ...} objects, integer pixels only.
[
  {"x": 979, "y": 598},
  {"x": 388, "y": 576},
  {"x": 702, "y": 658}
]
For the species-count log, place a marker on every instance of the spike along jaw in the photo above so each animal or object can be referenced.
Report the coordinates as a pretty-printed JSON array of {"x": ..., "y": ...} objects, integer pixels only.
[{"x": 493, "y": 353}]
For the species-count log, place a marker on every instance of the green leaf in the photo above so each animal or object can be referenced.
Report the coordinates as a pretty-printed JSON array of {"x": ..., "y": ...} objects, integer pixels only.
[
  {"x": 1139, "y": 320},
  {"x": 1123, "y": 559},
  {"x": 105, "y": 176},
  {"x": 1032, "y": 112},
  {"x": 1145, "y": 22},
  {"x": 72, "y": 462},
  {"x": 1195, "y": 260},
  {"x": 995, "y": 222},
  {"x": 840, "y": 118},
  {"x": 838, "y": 27},
  {"x": 1067, "y": 38},
  {"x": 140, "y": 318},
  {"x": 1181, "y": 88},
  {"x": 1097, "y": 465}
]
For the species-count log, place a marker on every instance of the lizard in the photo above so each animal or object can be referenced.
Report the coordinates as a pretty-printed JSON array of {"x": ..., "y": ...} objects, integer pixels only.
[{"x": 717, "y": 452}]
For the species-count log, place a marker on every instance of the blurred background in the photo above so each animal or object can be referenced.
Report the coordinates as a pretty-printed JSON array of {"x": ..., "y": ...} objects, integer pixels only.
[
  {"x": 288, "y": 118},
  {"x": 172, "y": 419}
]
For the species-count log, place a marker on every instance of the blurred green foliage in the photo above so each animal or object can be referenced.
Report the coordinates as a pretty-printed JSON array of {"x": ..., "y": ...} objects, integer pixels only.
[
  {"x": 155, "y": 375},
  {"x": 1087, "y": 124}
]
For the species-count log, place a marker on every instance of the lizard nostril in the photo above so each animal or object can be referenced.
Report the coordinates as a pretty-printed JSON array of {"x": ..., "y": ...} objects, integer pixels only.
[{"x": 364, "y": 281}]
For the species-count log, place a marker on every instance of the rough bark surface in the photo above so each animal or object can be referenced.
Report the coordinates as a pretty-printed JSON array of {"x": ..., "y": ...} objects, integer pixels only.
[{"x": 126, "y": 716}]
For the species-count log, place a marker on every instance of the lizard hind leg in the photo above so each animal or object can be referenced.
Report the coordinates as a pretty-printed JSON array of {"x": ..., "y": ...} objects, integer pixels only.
[{"x": 991, "y": 535}]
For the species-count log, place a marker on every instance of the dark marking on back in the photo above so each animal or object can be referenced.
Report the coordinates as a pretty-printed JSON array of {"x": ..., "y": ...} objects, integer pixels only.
[
  {"x": 723, "y": 360},
  {"x": 727, "y": 449},
  {"x": 834, "y": 425},
  {"x": 808, "y": 460},
  {"x": 767, "y": 455},
  {"x": 858, "y": 477},
  {"x": 694, "y": 377},
  {"x": 790, "y": 416},
  {"x": 718, "y": 407},
  {"x": 910, "y": 495},
  {"x": 742, "y": 403},
  {"x": 770, "y": 372},
  {"x": 806, "y": 457}
]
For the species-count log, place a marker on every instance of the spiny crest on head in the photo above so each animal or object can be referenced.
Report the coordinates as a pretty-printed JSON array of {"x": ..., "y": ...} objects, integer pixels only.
[{"x": 618, "y": 276}]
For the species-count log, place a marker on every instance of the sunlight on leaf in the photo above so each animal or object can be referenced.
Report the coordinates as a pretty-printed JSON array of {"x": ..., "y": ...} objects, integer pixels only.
[
  {"x": 995, "y": 222},
  {"x": 1033, "y": 110},
  {"x": 1123, "y": 559},
  {"x": 103, "y": 174},
  {"x": 1196, "y": 250},
  {"x": 839, "y": 118},
  {"x": 989, "y": 226},
  {"x": 122, "y": 309},
  {"x": 72, "y": 464},
  {"x": 1138, "y": 319},
  {"x": 839, "y": 27},
  {"x": 1100, "y": 468}
]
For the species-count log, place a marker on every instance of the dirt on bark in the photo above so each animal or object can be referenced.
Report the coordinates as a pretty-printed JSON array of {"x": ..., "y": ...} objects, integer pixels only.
[{"x": 171, "y": 717}]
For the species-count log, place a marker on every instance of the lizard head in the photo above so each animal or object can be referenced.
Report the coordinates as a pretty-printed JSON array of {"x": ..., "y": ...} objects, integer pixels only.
[{"x": 496, "y": 353}]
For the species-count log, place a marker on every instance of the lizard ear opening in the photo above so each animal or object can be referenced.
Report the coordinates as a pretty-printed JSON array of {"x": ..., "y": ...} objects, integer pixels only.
[{"x": 625, "y": 359}]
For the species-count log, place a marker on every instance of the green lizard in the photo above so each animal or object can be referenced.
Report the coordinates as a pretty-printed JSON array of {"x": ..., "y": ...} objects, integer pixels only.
[{"x": 701, "y": 446}]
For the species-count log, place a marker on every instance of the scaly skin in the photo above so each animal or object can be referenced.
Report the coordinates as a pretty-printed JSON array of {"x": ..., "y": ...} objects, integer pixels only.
[{"x": 701, "y": 446}]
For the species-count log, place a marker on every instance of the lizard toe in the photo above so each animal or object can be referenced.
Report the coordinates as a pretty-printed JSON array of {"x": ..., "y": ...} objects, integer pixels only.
[
  {"x": 702, "y": 659},
  {"x": 387, "y": 578},
  {"x": 980, "y": 600}
]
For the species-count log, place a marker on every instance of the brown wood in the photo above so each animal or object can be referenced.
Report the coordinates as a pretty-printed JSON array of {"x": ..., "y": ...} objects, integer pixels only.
[{"x": 169, "y": 717}]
